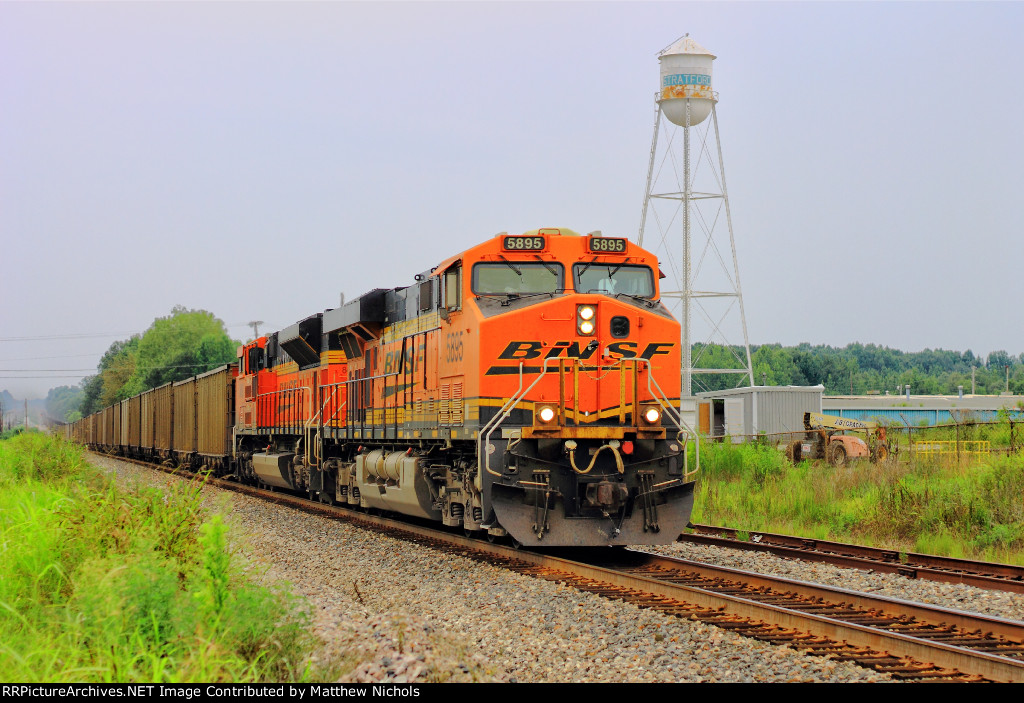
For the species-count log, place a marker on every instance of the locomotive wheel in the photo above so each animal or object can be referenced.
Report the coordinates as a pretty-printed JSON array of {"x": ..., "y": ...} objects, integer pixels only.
[
  {"x": 837, "y": 455},
  {"x": 880, "y": 454}
]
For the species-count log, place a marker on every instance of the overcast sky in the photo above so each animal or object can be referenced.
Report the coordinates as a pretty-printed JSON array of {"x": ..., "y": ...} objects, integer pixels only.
[{"x": 256, "y": 160}]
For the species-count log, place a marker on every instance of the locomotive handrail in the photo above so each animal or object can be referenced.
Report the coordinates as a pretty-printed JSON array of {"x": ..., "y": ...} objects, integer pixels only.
[
  {"x": 484, "y": 456},
  {"x": 358, "y": 391},
  {"x": 305, "y": 435},
  {"x": 677, "y": 417},
  {"x": 334, "y": 385},
  {"x": 281, "y": 390}
]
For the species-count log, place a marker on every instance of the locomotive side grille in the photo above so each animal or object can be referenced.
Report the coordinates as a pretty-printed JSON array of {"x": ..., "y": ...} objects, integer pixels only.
[
  {"x": 450, "y": 410},
  {"x": 445, "y": 411},
  {"x": 456, "y": 403}
]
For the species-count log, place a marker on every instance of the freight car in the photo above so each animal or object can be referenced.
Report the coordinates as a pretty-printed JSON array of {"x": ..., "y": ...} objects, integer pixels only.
[{"x": 527, "y": 387}]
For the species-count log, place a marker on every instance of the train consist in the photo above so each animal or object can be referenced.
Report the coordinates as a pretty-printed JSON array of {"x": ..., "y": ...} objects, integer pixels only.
[{"x": 528, "y": 386}]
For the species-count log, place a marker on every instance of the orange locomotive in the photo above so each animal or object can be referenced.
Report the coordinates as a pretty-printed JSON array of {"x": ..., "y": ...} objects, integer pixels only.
[{"x": 528, "y": 386}]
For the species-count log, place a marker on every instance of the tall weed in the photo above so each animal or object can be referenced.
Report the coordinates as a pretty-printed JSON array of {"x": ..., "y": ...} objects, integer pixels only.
[
  {"x": 932, "y": 502},
  {"x": 102, "y": 584}
]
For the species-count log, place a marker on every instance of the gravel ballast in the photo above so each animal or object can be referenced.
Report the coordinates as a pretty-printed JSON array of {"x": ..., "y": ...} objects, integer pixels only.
[{"x": 396, "y": 612}]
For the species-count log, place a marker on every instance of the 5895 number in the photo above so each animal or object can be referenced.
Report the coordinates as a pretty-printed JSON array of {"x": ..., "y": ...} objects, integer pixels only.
[
  {"x": 523, "y": 243},
  {"x": 608, "y": 245}
]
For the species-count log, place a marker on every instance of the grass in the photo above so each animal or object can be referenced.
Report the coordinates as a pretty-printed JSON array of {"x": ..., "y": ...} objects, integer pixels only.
[
  {"x": 102, "y": 584},
  {"x": 932, "y": 505}
]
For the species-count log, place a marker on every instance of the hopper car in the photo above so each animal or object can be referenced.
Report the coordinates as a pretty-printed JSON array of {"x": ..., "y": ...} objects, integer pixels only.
[{"x": 528, "y": 386}]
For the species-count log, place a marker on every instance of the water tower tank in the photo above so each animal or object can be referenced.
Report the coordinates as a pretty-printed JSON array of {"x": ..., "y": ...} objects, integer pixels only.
[{"x": 686, "y": 78}]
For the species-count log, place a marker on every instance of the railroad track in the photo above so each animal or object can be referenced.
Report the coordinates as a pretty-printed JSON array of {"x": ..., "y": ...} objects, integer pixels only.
[
  {"x": 1002, "y": 577},
  {"x": 906, "y": 640}
]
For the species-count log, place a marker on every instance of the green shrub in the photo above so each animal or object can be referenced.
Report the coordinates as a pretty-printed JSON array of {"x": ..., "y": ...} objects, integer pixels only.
[
  {"x": 932, "y": 503},
  {"x": 98, "y": 583}
]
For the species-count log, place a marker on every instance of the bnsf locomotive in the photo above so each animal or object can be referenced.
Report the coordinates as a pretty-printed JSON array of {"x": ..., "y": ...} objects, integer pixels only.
[{"x": 528, "y": 386}]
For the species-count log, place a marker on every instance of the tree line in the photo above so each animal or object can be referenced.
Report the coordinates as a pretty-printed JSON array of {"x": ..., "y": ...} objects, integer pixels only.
[
  {"x": 859, "y": 369},
  {"x": 188, "y": 342},
  {"x": 183, "y": 344}
]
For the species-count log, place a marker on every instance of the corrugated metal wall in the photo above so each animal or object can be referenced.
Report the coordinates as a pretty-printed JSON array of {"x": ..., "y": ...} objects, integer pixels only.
[
  {"x": 769, "y": 410},
  {"x": 185, "y": 416},
  {"x": 134, "y": 421},
  {"x": 216, "y": 411},
  {"x": 164, "y": 430},
  {"x": 118, "y": 432},
  {"x": 146, "y": 420},
  {"x": 784, "y": 411}
]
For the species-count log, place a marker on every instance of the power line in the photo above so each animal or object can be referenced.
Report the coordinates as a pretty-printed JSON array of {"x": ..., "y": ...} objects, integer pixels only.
[
  {"x": 93, "y": 335},
  {"x": 94, "y": 370},
  {"x": 50, "y": 337},
  {"x": 19, "y": 378},
  {"x": 36, "y": 358}
]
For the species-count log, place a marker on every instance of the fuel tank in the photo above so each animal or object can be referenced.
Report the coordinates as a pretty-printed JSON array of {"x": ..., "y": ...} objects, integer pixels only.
[{"x": 274, "y": 469}]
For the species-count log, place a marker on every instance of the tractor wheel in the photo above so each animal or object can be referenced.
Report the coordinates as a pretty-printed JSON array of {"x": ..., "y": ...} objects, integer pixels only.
[
  {"x": 794, "y": 452},
  {"x": 837, "y": 455},
  {"x": 880, "y": 454}
]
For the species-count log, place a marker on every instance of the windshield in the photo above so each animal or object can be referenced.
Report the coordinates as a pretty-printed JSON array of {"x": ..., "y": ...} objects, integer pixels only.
[
  {"x": 518, "y": 278},
  {"x": 613, "y": 279}
]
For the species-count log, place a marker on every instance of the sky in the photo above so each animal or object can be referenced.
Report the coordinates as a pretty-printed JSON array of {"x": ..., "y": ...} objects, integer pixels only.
[{"x": 258, "y": 159}]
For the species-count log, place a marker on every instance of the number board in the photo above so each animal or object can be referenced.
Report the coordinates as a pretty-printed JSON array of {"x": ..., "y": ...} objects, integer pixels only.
[
  {"x": 523, "y": 243},
  {"x": 607, "y": 245}
]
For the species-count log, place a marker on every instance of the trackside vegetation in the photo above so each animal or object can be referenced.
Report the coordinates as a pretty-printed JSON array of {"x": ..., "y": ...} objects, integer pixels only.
[
  {"x": 935, "y": 505},
  {"x": 102, "y": 584}
]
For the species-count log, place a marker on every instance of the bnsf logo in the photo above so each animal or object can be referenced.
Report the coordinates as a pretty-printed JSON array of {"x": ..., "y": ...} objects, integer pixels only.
[{"x": 516, "y": 351}]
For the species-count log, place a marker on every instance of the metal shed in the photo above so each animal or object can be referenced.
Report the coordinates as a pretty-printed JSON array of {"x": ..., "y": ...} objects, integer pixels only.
[{"x": 744, "y": 413}]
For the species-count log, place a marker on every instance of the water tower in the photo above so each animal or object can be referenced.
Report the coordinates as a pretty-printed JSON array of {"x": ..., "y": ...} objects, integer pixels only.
[{"x": 686, "y": 187}]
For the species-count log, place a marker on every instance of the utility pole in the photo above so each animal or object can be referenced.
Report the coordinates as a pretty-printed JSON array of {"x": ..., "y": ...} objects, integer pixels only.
[
  {"x": 973, "y": 369},
  {"x": 255, "y": 324},
  {"x": 1007, "y": 367},
  {"x": 26, "y": 414}
]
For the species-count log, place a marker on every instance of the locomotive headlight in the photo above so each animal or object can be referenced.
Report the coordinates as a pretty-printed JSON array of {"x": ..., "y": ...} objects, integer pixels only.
[
  {"x": 586, "y": 316},
  {"x": 651, "y": 414},
  {"x": 546, "y": 414}
]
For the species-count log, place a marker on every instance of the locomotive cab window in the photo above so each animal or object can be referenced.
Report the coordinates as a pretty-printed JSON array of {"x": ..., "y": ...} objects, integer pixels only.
[
  {"x": 518, "y": 277},
  {"x": 613, "y": 279}
]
